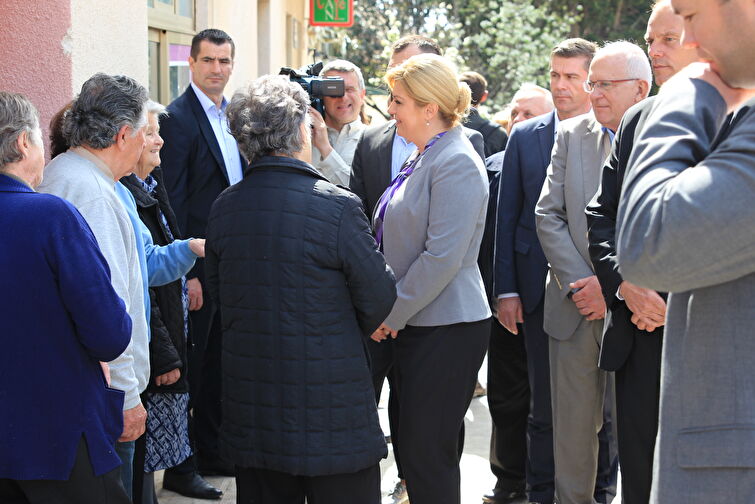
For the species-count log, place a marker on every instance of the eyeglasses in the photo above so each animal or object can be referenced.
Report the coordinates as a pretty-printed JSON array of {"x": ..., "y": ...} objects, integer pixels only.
[{"x": 604, "y": 85}]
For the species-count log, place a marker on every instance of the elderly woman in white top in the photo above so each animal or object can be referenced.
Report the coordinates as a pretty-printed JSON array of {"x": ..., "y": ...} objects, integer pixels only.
[{"x": 429, "y": 224}]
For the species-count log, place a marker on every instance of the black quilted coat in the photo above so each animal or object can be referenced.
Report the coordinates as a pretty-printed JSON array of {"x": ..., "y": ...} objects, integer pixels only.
[
  {"x": 168, "y": 345},
  {"x": 300, "y": 284}
]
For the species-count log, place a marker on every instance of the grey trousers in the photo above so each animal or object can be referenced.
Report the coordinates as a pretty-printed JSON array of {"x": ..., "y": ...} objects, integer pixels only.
[{"x": 578, "y": 391}]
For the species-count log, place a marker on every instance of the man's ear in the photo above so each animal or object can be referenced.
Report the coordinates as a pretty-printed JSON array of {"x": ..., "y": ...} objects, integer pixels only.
[
  {"x": 643, "y": 90},
  {"x": 484, "y": 97},
  {"x": 22, "y": 142},
  {"x": 120, "y": 137}
]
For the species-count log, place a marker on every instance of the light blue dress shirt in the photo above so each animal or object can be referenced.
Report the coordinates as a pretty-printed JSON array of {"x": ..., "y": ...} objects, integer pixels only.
[
  {"x": 219, "y": 122},
  {"x": 401, "y": 152}
]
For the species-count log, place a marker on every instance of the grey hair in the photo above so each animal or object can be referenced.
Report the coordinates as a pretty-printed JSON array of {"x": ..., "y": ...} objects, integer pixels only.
[
  {"x": 529, "y": 87},
  {"x": 636, "y": 62},
  {"x": 156, "y": 108},
  {"x": 17, "y": 115},
  {"x": 345, "y": 67},
  {"x": 266, "y": 117},
  {"x": 106, "y": 104}
]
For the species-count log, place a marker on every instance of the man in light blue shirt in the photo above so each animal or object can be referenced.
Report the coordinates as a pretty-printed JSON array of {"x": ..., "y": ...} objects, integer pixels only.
[
  {"x": 216, "y": 116},
  {"x": 200, "y": 159}
]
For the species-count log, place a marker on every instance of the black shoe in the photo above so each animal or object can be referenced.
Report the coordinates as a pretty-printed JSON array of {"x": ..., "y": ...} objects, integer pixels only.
[
  {"x": 190, "y": 485},
  {"x": 216, "y": 468},
  {"x": 502, "y": 496}
]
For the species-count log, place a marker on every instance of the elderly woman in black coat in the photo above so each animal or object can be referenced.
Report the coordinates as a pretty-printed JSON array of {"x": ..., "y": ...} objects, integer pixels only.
[
  {"x": 166, "y": 442},
  {"x": 300, "y": 284}
]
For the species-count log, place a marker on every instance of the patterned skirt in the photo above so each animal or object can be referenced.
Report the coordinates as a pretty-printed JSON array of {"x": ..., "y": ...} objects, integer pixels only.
[{"x": 167, "y": 443}]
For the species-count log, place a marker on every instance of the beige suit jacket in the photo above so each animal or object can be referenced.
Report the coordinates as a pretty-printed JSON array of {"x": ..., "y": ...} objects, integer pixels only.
[{"x": 573, "y": 177}]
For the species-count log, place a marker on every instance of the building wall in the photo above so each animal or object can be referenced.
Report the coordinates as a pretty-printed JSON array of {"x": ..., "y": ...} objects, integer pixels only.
[
  {"x": 239, "y": 20},
  {"x": 108, "y": 37},
  {"x": 36, "y": 57}
]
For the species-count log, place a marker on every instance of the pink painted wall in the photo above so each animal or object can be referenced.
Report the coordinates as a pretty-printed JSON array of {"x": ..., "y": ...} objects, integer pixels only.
[{"x": 33, "y": 60}]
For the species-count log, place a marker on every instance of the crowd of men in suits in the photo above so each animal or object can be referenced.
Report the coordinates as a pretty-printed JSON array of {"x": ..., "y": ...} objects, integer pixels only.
[{"x": 618, "y": 257}]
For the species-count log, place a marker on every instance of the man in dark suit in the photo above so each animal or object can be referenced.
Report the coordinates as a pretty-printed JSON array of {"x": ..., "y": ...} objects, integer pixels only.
[
  {"x": 494, "y": 136},
  {"x": 633, "y": 333},
  {"x": 199, "y": 160},
  {"x": 521, "y": 266},
  {"x": 508, "y": 386},
  {"x": 377, "y": 160}
]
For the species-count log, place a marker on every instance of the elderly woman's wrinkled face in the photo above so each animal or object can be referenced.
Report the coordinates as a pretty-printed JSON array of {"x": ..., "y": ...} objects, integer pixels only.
[{"x": 153, "y": 143}]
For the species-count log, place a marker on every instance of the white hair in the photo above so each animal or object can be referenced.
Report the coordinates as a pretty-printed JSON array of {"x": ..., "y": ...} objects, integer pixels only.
[
  {"x": 636, "y": 62},
  {"x": 530, "y": 88}
]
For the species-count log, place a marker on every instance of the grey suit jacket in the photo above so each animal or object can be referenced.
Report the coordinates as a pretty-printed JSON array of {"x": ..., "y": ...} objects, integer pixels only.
[
  {"x": 686, "y": 225},
  {"x": 572, "y": 180},
  {"x": 431, "y": 237}
]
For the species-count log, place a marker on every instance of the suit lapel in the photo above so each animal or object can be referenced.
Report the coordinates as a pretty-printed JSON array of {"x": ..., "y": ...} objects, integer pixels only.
[
  {"x": 594, "y": 150},
  {"x": 385, "y": 153},
  {"x": 546, "y": 137},
  {"x": 207, "y": 133}
]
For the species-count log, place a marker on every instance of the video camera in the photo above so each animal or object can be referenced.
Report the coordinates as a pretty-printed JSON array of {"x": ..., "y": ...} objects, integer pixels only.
[{"x": 315, "y": 86}]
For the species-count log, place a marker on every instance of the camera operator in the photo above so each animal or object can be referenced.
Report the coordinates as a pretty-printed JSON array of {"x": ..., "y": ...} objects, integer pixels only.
[{"x": 335, "y": 137}]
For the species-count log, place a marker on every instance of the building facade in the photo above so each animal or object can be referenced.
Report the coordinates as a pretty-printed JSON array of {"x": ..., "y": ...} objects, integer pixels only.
[{"x": 51, "y": 47}]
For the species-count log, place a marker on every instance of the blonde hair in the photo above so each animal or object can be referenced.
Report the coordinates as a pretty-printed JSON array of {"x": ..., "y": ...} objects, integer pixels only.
[{"x": 429, "y": 78}]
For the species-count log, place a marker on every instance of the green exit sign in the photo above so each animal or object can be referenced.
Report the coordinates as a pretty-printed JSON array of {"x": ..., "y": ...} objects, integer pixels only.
[{"x": 331, "y": 12}]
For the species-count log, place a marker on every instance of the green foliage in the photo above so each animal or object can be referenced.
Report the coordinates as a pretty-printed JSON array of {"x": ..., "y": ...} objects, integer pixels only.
[{"x": 508, "y": 41}]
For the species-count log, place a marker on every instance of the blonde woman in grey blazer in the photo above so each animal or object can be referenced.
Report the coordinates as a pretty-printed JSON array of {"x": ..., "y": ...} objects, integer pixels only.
[{"x": 429, "y": 223}]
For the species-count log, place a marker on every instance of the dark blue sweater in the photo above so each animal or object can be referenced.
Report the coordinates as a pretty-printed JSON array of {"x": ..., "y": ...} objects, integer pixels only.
[{"x": 59, "y": 316}]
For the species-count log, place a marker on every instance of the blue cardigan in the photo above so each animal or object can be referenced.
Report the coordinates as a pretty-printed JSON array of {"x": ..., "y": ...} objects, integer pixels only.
[{"x": 59, "y": 316}]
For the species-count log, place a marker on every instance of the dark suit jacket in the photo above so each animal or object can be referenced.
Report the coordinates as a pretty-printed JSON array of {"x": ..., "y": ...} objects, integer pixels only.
[
  {"x": 486, "y": 259},
  {"x": 193, "y": 169},
  {"x": 493, "y": 135},
  {"x": 371, "y": 167},
  {"x": 520, "y": 264},
  {"x": 619, "y": 331}
]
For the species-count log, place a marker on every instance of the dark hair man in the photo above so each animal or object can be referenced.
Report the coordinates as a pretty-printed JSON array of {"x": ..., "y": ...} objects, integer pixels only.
[
  {"x": 494, "y": 136},
  {"x": 520, "y": 272},
  {"x": 633, "y": 334},
  {"x": 685, "y": 226},
  {"x": 199, "y": 160}
]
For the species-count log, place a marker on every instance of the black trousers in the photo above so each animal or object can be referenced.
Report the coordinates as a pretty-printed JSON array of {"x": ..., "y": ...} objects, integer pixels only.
[
  {"x": 262, "y": 486},
  {"x": 437, "y": 368},
  {"x": 540, "y": 467},
  {"x": 205, "y": 384},
  {"x": 509, "y": 403},
  {"x": 638, "y": 384},
  {"x": 82, "y": 487},
  {"x": 382, "y": 360}
]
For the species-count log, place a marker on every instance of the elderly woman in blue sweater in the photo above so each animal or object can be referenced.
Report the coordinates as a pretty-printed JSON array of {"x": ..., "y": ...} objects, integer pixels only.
[{"x": 59, "y": 317}]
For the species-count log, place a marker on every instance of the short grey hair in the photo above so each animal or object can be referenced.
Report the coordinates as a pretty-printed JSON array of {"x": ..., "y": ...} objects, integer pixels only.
[
  {"x": 17, "y": 115},
  {"x": 345, "y": 67},
  {"x": 529, "y": 88},
  {"x": 636, "y": 62},
  {"x": 266, "y": 117},
  {"x": 106, "y": 104}
]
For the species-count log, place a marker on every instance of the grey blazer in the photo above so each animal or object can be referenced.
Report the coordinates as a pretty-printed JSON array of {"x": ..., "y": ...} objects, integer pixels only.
[
  {"x": 431, "y": 237},
  {"x": 572, "y": 180},
  {"x": 686, "y": 225}
]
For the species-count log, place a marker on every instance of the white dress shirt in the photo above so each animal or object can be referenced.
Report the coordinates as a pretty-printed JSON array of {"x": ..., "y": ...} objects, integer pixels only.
[{"x": 226, "y": 142}]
